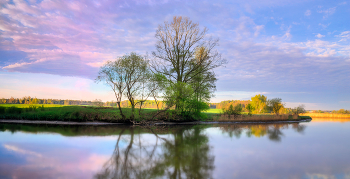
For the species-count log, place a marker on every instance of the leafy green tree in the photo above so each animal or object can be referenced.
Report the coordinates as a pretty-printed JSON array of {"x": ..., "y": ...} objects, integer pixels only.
[
  {"x": 249, "y": 108},
  {"x": 233, "y": 110},
  {"x": 299, "y": 109},
  {"x": 127, "y": 76},
  {"x": 275, "y": 105},
  {"x": 202, "y": 83},
  {"x": 258, "y": 103}
]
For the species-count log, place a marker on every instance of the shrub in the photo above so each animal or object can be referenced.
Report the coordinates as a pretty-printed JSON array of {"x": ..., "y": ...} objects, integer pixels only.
[
  {"x": 14, "y": 110},
  {"x": 233, "y": 110},
  {"x": 41, "y": 108},
  {"x": 31, "y": 108},
  {"x": 2, "y": 109}
]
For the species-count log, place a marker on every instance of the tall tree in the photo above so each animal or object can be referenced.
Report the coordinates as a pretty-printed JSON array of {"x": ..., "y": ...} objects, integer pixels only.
[{"x": 175, "y": 55}]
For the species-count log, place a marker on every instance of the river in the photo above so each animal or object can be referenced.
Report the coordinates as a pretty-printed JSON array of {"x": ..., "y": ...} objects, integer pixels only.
[{"x": 316, "y": 149}]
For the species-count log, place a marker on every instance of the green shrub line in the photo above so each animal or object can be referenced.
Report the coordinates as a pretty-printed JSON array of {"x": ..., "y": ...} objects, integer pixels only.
[{"x": 305, "y": 117}]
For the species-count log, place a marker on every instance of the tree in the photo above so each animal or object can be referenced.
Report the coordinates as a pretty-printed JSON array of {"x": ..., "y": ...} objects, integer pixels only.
[
  {"x": 235, "y": 111},
  {"x": 299, "y": 109},
  {"x": 97, "y": 102},
  {"x": 127, "y": 76},
  {"x": 259, "y": 103},
  {"x": 249, "y": 108},
  {"x": 183, "y": 55},
  {"x": 275, "y": 105}
]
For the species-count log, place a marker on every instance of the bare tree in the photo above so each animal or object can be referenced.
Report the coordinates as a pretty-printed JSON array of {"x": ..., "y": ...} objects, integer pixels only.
[{"x": 175, "y": 55}]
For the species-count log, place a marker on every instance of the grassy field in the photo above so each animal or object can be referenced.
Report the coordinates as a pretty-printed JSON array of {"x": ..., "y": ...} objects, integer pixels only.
[
  {"x": 215, "y": 111},
  {"x": 27, "y": 105},
  {"x": 65, "y": 113}
]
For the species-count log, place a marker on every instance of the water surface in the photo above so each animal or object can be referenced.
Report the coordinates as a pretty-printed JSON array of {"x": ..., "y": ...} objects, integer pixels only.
[{"x": 318, "y": 149}]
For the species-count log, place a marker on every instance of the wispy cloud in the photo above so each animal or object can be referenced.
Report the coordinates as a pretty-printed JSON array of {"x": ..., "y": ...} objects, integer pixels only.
[
  {"x": 307, "y": 13},
  {"x": 327, "y": 12},
  {"x": 319, "y": 35}
]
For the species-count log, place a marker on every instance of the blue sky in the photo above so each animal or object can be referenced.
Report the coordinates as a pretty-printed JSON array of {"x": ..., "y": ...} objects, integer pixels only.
[{"x": 297, "y": 50}]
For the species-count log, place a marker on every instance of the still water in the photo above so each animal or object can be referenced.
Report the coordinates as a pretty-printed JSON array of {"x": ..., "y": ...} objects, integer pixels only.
[{"x": 317, "y": 149}]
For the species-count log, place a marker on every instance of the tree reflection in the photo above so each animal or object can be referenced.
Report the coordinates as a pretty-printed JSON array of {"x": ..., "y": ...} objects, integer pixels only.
[
  {"x": 185, "y": 153},
  {"x": 273, "y": 131}
]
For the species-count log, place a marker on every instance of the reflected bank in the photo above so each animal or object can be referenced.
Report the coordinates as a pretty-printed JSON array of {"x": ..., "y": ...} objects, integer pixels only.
[{"x": 304, "y": 150}]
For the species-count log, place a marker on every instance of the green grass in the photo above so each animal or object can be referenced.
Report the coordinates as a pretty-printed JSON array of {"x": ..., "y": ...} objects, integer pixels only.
[
  {"x": 216, "y": 111},
  {"x": 305, "y": 117},
  {"x": 27, "y": 105},
  {"x": 65, "y": 113}
]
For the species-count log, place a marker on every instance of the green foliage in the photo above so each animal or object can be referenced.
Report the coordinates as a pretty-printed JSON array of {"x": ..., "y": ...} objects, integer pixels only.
[
  {"x": 341, "y": 111},
  {"x": 275, "y": 105},
  {"x": 233, "y": 110},
  {"x": 14, "y": 110},
  {"x": 259, "y": 103},
  {"x": 305, "y": 117},
  {"x": 249, "y": 108},
  {"x": 299, "y": 109},
  {"x": 31, "y": 108},
  {"x": 186, "y": 104},
  {"x": 2, "y": 109},
  {"x": 41, "y": 108}
]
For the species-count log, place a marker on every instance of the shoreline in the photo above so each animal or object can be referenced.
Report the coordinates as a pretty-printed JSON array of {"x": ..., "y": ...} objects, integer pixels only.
[{"x": 9, "y": 121}]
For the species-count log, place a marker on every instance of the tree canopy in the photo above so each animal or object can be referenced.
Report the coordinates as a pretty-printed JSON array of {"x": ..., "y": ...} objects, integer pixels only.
[{"x": 186, "y": 59}]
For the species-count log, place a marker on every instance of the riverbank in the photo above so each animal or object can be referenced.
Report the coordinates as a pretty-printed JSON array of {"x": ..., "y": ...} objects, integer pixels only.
[{"x": 89, "y": 115}]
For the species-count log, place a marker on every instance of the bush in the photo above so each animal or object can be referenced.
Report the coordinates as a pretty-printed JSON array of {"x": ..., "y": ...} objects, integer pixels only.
[
  {"x": 31, "y": 108},
  {"x": 237, "y": 110},
  {"x": 13, "y": 110},
  {"x": 41, "y": 108},
  {"x": 2, "y": 109},
  {"x": 299, "y": 109}
]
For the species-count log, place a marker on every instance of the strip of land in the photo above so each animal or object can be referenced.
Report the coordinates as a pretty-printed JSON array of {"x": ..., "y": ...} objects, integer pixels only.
[
  {"x": 56, "y": 122},
  {"x": 83, "y": 115},
  {"x": 327, "y": 115}
]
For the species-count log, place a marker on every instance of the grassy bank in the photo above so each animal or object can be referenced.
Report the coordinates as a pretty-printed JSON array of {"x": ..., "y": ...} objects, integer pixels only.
[
  {"x": 326, "y": 115},
  {"x": 50, "y": 112},
  {"x": 65, "y": 113}
]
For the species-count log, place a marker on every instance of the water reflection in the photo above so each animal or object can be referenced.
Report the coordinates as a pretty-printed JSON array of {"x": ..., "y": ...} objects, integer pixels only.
[
  {"x": 273, "y": 131},
  {"x": 184, "y": 153},
  {"x": 294, "y": 150}
]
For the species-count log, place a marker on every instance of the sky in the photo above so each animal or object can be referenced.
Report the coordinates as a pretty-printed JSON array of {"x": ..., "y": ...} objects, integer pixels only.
[{"x": 297, "y": 50}]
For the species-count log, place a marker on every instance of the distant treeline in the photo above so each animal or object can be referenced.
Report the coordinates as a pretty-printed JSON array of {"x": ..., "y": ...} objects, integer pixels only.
[
  {"x": 30, "y": 100},
  {"x": 340, "y": 111},
  {"x": 227, "y": 103},
  {"x": 145, "y": 104},
  {"x": 97, "y": 102}
]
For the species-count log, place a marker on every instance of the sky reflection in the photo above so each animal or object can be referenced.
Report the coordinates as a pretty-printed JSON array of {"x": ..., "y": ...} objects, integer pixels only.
[{"x": 306, "y": 150}]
